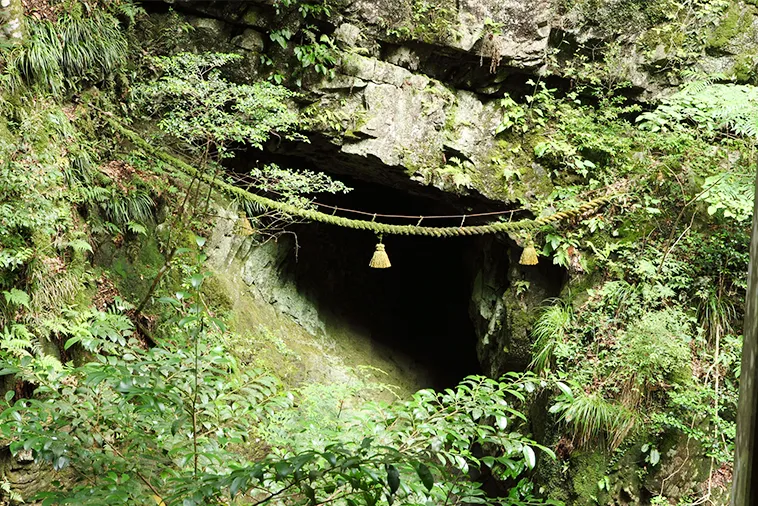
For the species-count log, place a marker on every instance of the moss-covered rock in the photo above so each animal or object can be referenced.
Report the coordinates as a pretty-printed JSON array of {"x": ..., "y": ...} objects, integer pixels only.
[
  {"x": 589, "y": 469},
  {"x": 504, "y": 300},
  {"x": 745, "y": 69},
  {"x": 286, "y": 331},
  {"x": 736, "y": 23},
  {"x": 11, "y": 21}
]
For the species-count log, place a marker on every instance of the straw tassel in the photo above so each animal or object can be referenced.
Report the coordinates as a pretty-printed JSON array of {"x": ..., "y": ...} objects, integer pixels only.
[
  {"x": 242, "y": 226},
  {"x": 529, "y": 255},
  {"x": 380, "y": 260}
]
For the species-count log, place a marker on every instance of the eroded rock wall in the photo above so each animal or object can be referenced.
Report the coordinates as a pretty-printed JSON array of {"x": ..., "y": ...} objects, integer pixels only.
[{"x": 415, "y": 101}]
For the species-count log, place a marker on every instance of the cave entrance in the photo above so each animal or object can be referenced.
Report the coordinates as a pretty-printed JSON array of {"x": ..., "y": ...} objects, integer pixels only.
[{"x": 417, "y": 311}]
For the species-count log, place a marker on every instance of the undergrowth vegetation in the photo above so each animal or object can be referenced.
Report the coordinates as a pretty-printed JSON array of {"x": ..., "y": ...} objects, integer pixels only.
[
  {"x": 666, "y": 268},
  {"x": 124, "y": 386},
  {"x": 123, "y": 380}
]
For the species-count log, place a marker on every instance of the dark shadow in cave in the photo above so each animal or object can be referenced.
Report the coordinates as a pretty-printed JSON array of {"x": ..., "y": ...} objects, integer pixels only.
[{"x": 418, "y": 307}]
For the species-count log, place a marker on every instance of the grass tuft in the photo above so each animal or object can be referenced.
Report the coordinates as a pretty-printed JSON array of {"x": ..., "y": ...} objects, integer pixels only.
[
  {"x": 549, "y": 332},
  {"x": 595, "y": 420},
  {"x": 61, "y": 55}
]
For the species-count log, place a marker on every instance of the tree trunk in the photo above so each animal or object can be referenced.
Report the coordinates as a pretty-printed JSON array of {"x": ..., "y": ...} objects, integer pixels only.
[
  {"x": 11, "y": 21},
  {"x": 745, "y": 486}
]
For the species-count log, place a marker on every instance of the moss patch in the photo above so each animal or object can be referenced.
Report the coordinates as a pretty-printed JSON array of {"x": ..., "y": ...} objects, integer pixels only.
[
  {"x": 133, "y": 266},
  {"x": 734, "y": 22},
  {"x": 430, "y": 21},
  {"x": 511, "y": 175},
  {"x": 266, "y": 338},
  {"x": 744, "y": 69},
  {"x": 589, "y": 471}
]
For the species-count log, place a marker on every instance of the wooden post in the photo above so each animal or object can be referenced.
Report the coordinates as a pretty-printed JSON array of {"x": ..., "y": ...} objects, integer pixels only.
[{"x": 745, "y": 485}]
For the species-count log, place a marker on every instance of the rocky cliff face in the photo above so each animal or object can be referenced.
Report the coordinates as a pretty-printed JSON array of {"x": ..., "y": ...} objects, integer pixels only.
[
  {"x": 413, "y": 105},
  {"x": 416, "y": 99},
  {"x": 415, "y": 96},
  {"x": 491, "y": 47},
  {"x": 413, "y": 91}
]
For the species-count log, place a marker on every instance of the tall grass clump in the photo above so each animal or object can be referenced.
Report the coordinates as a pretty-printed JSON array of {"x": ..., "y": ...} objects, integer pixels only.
[
  {"x": 549, "y": 332},
  {"x": 63, "y": 54},
  {"x": 593, "y": 419}
]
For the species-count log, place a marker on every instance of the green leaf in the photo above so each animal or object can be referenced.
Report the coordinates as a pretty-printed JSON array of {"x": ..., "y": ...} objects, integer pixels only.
[
  {"x": 196, "y": 280},
  {"x": 655, "y": 456},
  {"x": 282, "y": 469},
  {"x": 168, "y": 300},
  {"x": 309, "y": 493},
  {"x": 565, "y": 389},
  {"x": 393, "y": 478},
  {"x": 187, "y": 319},
  {"x": 218, "y": 323},
  {"x": 80, "y": 245},
  {"x": 237, "y": 484},
  {"x": 136, "y": 228},
  {"x": 70, "y": 342},
  {"x": 531, "y": 459},
  {"x": 257, "y": 471},
  {"x": 176, "y": 425},
  {"x": 425, "y": 475}
]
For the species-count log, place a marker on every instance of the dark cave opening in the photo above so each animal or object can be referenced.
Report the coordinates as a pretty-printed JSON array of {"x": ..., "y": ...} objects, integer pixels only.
[{"x": 419, "y": 307}]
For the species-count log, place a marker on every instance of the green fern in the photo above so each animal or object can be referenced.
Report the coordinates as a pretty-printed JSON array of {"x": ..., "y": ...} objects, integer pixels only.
[
  {"x": 14, "y": 299},
  {"x": 129, "y": 11},
  {"x": 18, "y": 341},
  {"x": 715, "y": 313},
  {"x": 91, "y": 46},
  {"x": 79, "y": 245},
  {"x": 79, "y": 172},
  {"x": 39, "y": 61},
  {"x": 714, "y": 108},
  {"x": 17, "y": 297},
  {"x": 136, "y": 228},
  {"x": 94, "y": 194},
  {"x": 53, "y": 291},
  {"x": 47, "y": 363}
]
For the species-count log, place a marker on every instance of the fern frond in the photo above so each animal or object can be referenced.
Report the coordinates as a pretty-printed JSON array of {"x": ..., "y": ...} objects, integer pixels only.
[
  {"x": 40, "y": 61},
  {"x": 51, "y": 291},
  {"x": 48, "y": 362},
  {"x": 94, "y": 194},
  {"x": 16, "y": 297},
  {"x": 79, "y": 173},
  {"x": 18, "y": 341}
]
